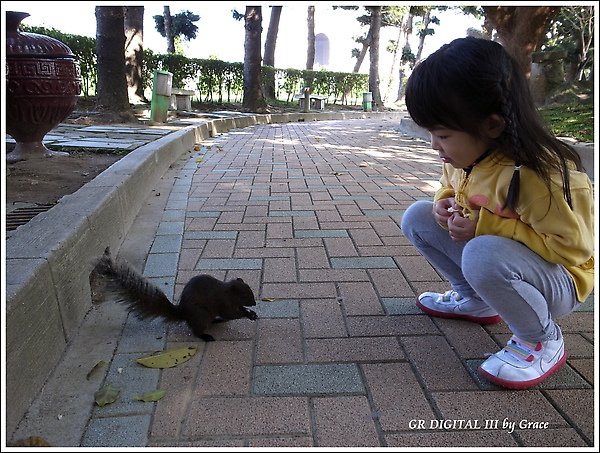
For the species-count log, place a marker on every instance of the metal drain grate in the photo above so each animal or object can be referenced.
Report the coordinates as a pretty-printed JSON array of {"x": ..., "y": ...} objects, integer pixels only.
[{"x": 21, "y": 216}]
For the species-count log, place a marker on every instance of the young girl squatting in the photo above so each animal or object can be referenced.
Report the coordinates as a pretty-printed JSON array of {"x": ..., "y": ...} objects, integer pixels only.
[{"x": 511, "y": 227}]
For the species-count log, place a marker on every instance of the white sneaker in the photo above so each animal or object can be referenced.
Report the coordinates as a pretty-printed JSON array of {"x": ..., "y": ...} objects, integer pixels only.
[
  {"x": 452, "y": 305},
  {"x": 522, "y": 364}
]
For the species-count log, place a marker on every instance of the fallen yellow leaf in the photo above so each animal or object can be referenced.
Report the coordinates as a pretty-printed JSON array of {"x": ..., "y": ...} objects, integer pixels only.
[
  {"x": 95, "y": 369},
  {"x": 168, "y": 359},
  {"x": 152, "y": 396},
  {"x": 267, "y": 299},
  {"x": 106, "y": 395}
]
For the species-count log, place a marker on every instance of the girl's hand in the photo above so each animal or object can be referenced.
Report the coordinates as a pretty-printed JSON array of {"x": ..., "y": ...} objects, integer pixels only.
[
  {"x": 461, "y": 228},
  {"x": 440, "y": 211}
]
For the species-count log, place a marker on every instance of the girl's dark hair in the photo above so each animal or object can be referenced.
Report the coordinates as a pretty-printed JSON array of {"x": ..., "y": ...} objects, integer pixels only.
[{"x": 464, "y": 82}]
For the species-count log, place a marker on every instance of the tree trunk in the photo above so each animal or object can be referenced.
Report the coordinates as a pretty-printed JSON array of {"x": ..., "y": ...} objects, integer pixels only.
[
  {"x": 520, "y": 29},
  {"x": 426, "y": 21},
  {"x": 134, "y": 52},
  {"x": 271, "y": 41},
  {"x": 397, "y": 48},
  {"x": 404, "y": 66},
  {"x": 310, "y": 53},
  {"x": 269, "y": 57},
  {"x": 169, "y": 30},
  {"x": 253, "y": 100},
  {"x": 110, "y": 45},
  {"x": 363, "y": 52},
  {"x": 374, "y": 55}
]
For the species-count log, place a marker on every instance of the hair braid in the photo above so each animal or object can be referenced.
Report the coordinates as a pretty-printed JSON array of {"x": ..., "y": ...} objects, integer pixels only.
[{"x": 514, "y": 149}]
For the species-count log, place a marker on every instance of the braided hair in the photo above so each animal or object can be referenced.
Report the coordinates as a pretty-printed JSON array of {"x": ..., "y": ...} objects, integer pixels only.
[{"x": 464, "y": 82}]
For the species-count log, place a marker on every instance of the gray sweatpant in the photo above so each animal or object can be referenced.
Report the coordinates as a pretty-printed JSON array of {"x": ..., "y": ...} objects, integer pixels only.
[{"x": 528, "y": 292}]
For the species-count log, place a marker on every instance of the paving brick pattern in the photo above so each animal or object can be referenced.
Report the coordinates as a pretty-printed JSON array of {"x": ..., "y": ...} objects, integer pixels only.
[{"x": 308, "y": 214}]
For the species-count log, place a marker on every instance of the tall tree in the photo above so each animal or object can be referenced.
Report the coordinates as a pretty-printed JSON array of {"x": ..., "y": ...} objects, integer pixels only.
[
  {"x": 408, "y": 59},
  {"x": 520, "y": 29},
  {"x": 360, "y": 55},
  {"x": 270, "y": 42},
  {"x": 110, "y": 45},
  {"x": 176, "y": 27},
  {"x": 374, "y": 54},
  {"x": 134, "y": 52},
  {"x": 253, "y": 99},
  {"x": 310, "y": 52},
  {"x": 572, "y": 31},
  {"x": 398, "y": 15},
  {"x": 168, "y": 28}
]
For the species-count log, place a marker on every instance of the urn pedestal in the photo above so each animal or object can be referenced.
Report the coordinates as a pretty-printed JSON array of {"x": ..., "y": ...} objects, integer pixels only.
[{"x": 43, "y": 82}]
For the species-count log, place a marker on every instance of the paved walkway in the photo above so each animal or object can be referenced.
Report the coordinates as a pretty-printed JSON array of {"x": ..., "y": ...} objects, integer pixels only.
[{"x": 308, "y": 214}]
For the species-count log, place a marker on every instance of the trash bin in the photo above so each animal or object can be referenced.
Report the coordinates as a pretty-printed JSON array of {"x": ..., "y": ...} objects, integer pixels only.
[
  {"x": 161, "y": 96},
  {"x": 367, "y": 101}
]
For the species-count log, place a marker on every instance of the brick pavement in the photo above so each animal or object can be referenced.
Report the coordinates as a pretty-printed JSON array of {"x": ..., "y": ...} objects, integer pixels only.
[{"x": 308, "y": 214}]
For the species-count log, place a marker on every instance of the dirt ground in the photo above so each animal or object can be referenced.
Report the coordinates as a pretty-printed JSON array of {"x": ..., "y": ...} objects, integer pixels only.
[{"x": 46, "y": 180}]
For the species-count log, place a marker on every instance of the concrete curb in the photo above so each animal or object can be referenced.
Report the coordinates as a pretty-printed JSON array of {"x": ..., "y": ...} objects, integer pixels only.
[{"x": 49, "y": 260}]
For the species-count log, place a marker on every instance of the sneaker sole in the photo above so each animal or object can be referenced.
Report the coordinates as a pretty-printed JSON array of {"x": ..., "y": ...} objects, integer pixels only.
[
  {"x": 476, "y": 319},
  {"x": 522, "y": 385}
]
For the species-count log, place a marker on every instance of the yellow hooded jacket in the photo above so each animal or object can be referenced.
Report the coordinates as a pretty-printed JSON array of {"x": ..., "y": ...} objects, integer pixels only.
[{"x": 543, "y": 222}]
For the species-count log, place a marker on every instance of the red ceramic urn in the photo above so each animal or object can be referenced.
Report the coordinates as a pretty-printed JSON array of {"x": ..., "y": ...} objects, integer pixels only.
[{"x": 43, "y": 83}]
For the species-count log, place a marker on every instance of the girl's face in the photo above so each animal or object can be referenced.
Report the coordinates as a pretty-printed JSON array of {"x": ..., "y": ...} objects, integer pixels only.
[{"x": 457, "y": 148}]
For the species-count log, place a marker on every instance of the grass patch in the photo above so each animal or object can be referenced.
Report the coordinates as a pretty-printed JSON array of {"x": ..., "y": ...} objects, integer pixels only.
[{"x": 573, "y": 120}]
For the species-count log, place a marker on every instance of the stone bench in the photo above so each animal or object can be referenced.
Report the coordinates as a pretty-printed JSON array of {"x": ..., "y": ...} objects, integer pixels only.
[
  {"x": 317, "y": 102},
  {"x": 181, "y": 99}
]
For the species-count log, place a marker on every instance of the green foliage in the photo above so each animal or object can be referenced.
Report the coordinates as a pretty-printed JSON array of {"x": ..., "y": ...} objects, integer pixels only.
[
  {"x": 290, "y": 81},
  {"x": 575, "y": 120},
  {"x": 215, "y": 80},
  {"x": 392, "y": 16},
  {"x": 237, "y": 15},
  {"x": 182, "y": 24},
  {"x": 572, "y": 31},
  {"x": 408, "y": 56},
  {"x": 181, "y": 67}
]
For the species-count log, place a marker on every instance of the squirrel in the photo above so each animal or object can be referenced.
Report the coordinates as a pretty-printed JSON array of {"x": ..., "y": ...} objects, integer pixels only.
[{"x": 204, "y": 299}]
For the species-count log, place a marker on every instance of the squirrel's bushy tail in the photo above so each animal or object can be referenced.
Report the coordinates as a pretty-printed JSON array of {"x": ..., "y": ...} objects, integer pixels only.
[{"x": 129, "y": 287}]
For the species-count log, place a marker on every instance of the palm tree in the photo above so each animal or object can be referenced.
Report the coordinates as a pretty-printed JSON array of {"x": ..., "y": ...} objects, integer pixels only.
[
  {"x": 374, "y": 54},
  {"x": 168, "y": 29},
  {"x": 270, "y": 42},
  {"x": 253, "y": 99},
  {"x": 110, "y": 45},
  {"x": 310, "y": 54}
]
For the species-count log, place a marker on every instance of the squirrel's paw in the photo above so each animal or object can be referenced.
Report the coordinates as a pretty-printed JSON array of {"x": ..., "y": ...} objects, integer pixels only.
[{"x": 251, "y": 314}]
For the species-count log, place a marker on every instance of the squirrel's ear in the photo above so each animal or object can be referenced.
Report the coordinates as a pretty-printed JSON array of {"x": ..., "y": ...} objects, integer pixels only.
[
  {"x": 240, "y": 280},
  {"x": 107, "y": 250}
]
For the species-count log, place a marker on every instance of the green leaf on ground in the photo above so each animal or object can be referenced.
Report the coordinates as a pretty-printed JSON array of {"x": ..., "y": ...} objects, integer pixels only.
[
  {"x": 106, "y": 395},
  {"x": 152, "y": 396},
  {"x": 96, "y": 369},
  {"x": 168, "y": 359}
]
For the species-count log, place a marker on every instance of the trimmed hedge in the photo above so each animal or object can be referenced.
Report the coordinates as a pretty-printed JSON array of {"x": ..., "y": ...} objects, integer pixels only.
[{"x": 215, "y": 80}]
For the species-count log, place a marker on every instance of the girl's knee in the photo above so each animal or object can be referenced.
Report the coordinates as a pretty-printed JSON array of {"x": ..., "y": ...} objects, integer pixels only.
[
  {"x": 483, "y": 257},
  {"x": 416, "y": 214}
]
